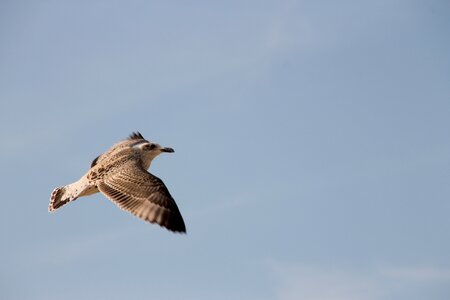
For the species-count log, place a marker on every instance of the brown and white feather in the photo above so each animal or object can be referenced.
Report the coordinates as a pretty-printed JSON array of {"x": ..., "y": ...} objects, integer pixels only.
[{"x": 144, "y": 195}]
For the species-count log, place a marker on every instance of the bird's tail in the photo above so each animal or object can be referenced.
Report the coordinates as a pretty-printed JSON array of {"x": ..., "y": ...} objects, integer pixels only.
[{"x": 59, "y": 197}]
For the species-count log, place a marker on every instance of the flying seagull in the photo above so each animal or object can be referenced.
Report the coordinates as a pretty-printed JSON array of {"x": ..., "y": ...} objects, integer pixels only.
[{"x": 121, "y": 175}]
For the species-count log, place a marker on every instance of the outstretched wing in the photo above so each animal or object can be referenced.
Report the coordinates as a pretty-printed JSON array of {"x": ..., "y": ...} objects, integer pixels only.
[
  {"x": 133, "y": 138},
  {"x": 144, "y": 195}
]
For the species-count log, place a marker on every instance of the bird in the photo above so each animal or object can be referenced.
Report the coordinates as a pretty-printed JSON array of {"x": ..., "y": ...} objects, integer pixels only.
[{"x": 121, "y": 175}]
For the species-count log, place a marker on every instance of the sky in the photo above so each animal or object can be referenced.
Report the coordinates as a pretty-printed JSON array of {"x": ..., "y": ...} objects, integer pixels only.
[{"x": 312, "y": 150}]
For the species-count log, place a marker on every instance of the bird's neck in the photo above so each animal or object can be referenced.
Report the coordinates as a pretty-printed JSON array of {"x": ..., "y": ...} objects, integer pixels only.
[{"x": 146, "y": 163}]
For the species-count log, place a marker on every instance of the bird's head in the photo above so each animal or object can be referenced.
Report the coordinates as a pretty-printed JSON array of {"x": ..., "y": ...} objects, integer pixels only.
[{"x": 150, "y": 150}]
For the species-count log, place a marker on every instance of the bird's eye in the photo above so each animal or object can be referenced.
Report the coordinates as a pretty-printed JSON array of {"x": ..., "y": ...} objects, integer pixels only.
[{"x": 148, "y": 147}]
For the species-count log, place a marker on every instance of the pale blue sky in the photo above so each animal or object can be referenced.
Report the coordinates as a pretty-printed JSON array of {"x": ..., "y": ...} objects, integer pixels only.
[{"x": 312, "y": 148}]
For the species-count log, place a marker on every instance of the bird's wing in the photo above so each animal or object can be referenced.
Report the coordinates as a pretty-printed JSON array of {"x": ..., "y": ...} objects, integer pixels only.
[
  {"x": 133, "y": 138},
  {"x": 144, "y": 195}
]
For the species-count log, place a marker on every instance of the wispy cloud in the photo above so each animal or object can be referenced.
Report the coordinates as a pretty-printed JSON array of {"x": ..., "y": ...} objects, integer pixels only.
[
  {"x": 418, "y": 274},
  {"x": 315, "y": 283},
  {"x": 73, "y": 249},
  {"x": 309, "y": 282}
]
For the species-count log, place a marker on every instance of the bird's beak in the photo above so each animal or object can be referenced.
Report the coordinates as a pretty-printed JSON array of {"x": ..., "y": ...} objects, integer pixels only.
[{"x": 167, "y": 149}]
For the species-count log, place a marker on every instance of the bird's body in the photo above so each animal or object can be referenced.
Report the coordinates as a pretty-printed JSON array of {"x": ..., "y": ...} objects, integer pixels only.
[{"x": 121, "y": 175}]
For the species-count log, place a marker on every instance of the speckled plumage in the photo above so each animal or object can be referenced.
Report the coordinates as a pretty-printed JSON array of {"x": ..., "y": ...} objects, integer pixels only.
[{"x": 121, "y": 175}]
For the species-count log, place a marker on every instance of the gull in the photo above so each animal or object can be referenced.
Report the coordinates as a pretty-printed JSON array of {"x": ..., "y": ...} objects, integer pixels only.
[{"x": 121, "y": 175}]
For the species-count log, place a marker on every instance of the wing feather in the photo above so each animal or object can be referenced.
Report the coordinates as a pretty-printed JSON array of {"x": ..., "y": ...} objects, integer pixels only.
[{"x": 144, "y": 195}]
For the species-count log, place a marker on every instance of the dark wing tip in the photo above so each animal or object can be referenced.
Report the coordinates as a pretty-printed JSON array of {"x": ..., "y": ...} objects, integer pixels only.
[
  {"x": 136, "y": 136},
  {"x": 94, "y": 162},
  {"x": 176, "y": 225}
]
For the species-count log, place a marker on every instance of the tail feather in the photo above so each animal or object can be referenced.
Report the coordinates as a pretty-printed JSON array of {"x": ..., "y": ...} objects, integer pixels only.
[
  {"x": 58, "y": 198},
  {"x": 65, "y": 194}
]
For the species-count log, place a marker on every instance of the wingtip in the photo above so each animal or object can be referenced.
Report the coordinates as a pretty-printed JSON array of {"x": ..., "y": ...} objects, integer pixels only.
[
  {"x": 180, "y": 230},
  {"x": 176, "y": 231},
  {"x": 136, "y": 135}
]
